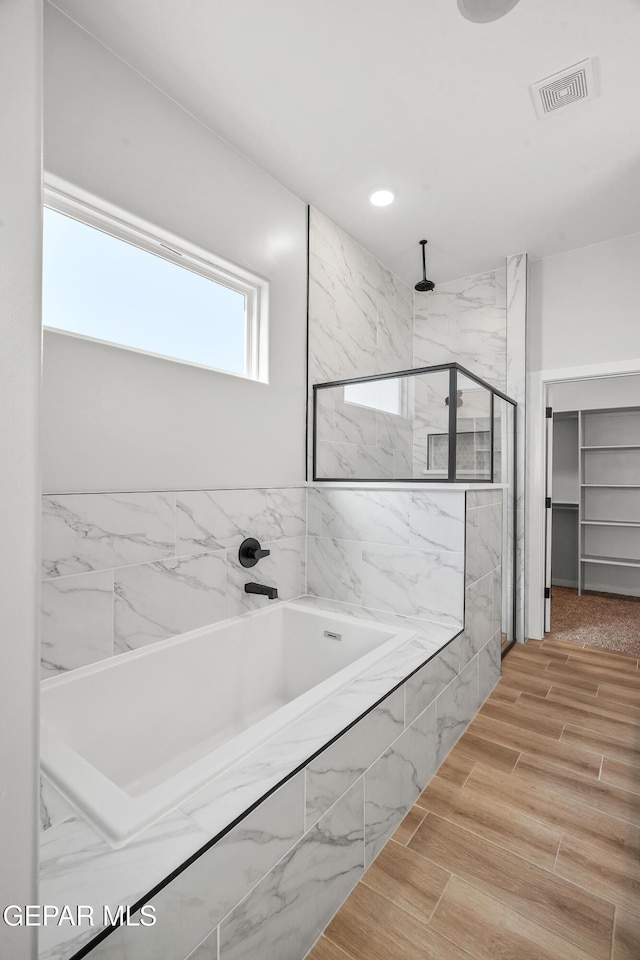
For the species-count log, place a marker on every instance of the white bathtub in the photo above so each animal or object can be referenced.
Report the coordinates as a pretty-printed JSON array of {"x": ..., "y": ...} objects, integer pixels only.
[{"x": 128, "y": 739}]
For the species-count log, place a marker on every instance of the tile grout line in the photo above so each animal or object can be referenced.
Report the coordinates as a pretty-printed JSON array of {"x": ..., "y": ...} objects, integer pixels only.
[
  {"x": 475, "y": 764},
  {"x": 494, "y": 843},
  {"x": 405, "y": 845},
  {"x": 431, "y": 916},
  {"x": 348, "y": 955},
  {"x": 477, "y": 885},
  {"x": 555, "y": 859}
]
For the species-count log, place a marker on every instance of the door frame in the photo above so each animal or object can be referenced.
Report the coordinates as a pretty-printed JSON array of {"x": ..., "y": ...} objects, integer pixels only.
[
  {"x": 537, "y": 384},
  {"x": 548, "y": 514}
]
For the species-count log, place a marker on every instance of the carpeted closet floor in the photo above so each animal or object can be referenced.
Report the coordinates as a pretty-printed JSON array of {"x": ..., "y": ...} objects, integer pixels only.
[{"x": 596, "y": 619}]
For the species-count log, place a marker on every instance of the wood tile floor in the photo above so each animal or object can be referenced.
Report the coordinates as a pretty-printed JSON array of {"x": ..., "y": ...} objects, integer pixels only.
[{"x": 526, "y": 845}]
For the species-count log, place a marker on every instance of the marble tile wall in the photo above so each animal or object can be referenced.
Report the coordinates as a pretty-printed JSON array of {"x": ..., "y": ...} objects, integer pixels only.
[
  {"x": 462, "y": 321},
  {"x": 121, "y": 571},
  {"x": 482, "y": 636},
  {"x": 272, "y": 883},
  {"x": 398, "y": 551},
  {"x": 360, "y": 323}
]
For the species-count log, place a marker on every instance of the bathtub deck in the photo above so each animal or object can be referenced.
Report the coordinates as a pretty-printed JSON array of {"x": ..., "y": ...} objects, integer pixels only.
[{"x": 527, "y": 842}]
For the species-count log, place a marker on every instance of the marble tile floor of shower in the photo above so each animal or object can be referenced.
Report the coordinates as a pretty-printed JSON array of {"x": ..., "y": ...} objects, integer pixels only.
[{"x": 526, "y": 844}]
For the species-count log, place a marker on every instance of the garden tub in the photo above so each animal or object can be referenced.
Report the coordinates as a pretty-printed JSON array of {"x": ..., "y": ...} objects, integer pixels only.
[{"x": 129, "y": 738}]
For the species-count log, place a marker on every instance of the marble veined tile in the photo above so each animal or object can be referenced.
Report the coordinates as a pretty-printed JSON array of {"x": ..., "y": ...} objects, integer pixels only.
[
  {"x": 154, "y": 601},
  {"x": 331, "y": 244},
  {"x": 282, "y": 569},
  {"x": 455, "y": 708},
  {"x": 395, "y": 338},
  {"x": 413, "y": 582},
  {"x": 496, "y": 591},
  {"x": 393, "y": 431},
  {"x": 374, "y": 463},
  {"x": 484, "y": 498},
  {"x": 331, "y": 773},
  {"x": 393, "y": 293},
  {"x": 430, "y": 635},
  {"x": 354, "y": 424},
  {"x": 479, "y": 622},
  {"x": 53, "y": 807},
  {"x": 96, "y": 531},
  {"x": 403, "y": 464},
  {"x": 431, "y": 413},
  {"x": 330, "y": 248},
  {"x": 325, "y": 415},
  {"x": 192, "y": 905},
  {"x": 425, "y": 685},
  {"x": 437, "y": 521},
  {"x": 337, "y": 461},
  {"x": 396, "y": 779},
  {"x": 377, "y": 516},
  {"x": 78, "y": 867},
  {"x": 489, "y": 538},
  {"x": 464, "y": 320},
  {"x": 315, "y": 501},
  {"x": 339, "y": 298},
  {"x": 432, "y": 336},
  {"x": 76, "y": 621},
  {"x": 472, "y": 547},
  {"x": 489, "y": 666},
  {"x": 285, "y": 913},
  {"x": 208, "y": 949},
  {"x": 214, "y": 519},
  {"x": 334, "y": 569},
  {"x": 285, "y": 513},
  {"x": 333, "y": 348}
]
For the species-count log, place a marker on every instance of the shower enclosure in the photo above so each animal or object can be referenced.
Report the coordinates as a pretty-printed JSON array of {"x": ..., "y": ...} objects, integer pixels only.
[{"x": 439, "y": 424}]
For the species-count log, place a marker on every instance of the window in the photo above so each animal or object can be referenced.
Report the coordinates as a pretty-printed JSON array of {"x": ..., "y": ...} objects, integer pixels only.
[
  {"x": 110, "y": 280},
  {"x": 384, "y": 395}
]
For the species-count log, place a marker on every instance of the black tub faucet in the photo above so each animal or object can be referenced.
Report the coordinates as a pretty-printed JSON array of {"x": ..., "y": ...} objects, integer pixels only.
[{"x": 271, "y": 592}]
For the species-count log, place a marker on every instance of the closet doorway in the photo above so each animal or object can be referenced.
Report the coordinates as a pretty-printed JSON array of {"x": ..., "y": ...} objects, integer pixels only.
[{"x": 593, "y": 512}]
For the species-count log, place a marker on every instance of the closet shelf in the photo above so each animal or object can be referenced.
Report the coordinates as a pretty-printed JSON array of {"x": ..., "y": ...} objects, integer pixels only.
[
  {"x": 611, "y": 561},
  {"x": 614, "y": 446},
  {"x": 617, "y": 486},
  {"x": 586, "y": 547},
  {"x": 611, "y": 523}
]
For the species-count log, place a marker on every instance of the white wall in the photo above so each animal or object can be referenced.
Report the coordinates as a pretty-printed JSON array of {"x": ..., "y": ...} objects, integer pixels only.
[
  {"x": 584, "y": 306},
  {"x": 20, "y": 233},
  {"x": 595, "y": 394},
  {"x": 120, "y": 421}
]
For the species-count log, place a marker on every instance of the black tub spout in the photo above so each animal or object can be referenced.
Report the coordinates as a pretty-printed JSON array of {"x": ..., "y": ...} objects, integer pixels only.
[{"x": 271, "y": 592}]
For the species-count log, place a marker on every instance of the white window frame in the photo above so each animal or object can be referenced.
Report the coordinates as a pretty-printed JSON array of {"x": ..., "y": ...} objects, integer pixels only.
[
  {"x": 403, "y": 399},
  {"x": 94, "y": 212}
]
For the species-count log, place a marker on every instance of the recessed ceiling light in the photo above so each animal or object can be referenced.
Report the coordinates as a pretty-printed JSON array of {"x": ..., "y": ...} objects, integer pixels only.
[
  {"x": 485, "y": 11},
  {"x": 381, "y": 198}
]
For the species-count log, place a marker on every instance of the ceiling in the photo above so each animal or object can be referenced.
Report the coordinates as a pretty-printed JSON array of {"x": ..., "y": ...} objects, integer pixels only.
[{"x": 335, "y": 98}]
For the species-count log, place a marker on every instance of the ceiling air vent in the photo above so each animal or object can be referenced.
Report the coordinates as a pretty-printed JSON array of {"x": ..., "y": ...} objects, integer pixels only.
[{"x": 563, "y": 89}]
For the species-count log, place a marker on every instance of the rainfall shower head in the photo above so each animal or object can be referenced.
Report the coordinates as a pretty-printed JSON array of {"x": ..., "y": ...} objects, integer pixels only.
[{"x": 424, "y": 285}]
